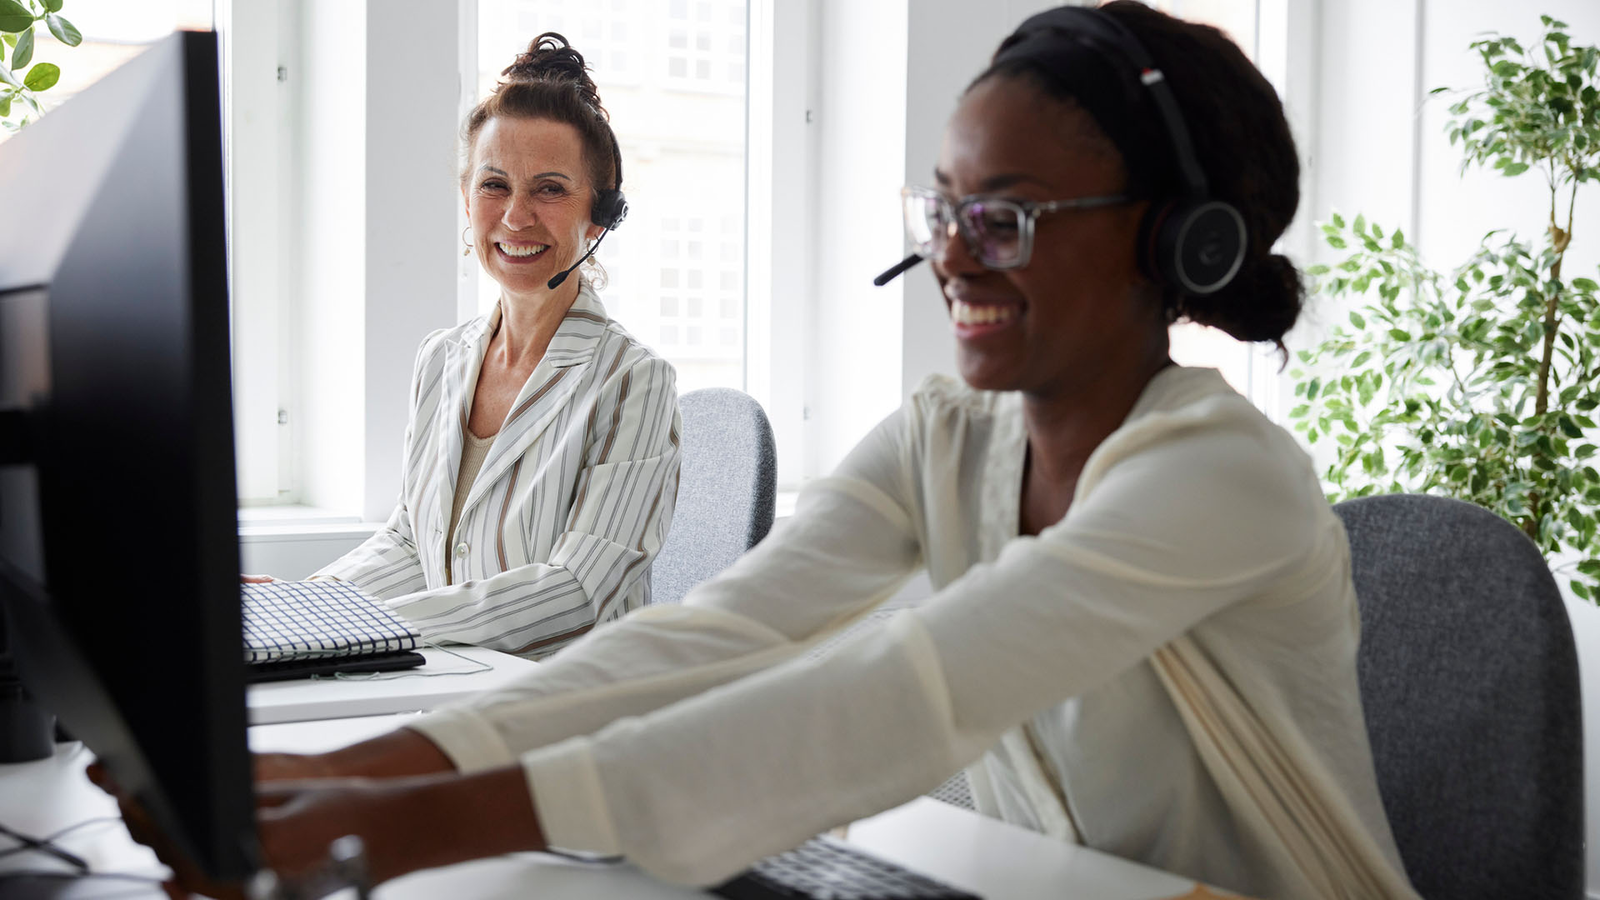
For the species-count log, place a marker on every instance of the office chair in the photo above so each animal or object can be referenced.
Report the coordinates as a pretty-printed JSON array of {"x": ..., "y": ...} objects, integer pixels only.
[
  {"x": 727, "y": 488},
  {"x": 1469, "y": 678}
]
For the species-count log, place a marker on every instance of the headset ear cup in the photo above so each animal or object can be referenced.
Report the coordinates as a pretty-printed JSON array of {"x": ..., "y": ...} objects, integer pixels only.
[
  {"x": 1197, "y": 247},
  {"x": 609, "y": 208}
]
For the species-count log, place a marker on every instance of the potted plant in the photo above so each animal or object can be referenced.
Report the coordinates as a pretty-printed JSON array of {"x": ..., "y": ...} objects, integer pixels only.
[{"x": 1479, "y": 383}]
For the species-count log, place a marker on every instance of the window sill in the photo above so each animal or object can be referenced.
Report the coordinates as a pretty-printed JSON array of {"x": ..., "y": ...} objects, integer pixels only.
[{"x": 287, "y": 523}]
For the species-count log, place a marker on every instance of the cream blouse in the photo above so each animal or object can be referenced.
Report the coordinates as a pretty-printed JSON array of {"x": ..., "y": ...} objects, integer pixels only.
[
  {"x": 696, "y": 739},
  {"x": 474, "y": 450}
]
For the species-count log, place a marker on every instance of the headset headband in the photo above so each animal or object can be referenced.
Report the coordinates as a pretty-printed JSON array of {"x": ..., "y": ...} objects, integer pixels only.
[{"x": 1053, "y": 37}]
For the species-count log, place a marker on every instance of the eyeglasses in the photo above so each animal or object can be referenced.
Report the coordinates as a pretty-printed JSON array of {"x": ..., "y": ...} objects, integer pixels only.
[{"x": 998, "y": 230}]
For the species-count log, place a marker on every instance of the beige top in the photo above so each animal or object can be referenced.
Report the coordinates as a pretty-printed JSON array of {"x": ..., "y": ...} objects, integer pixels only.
[
  {"x": 474, "y": 450},
  {"x": 695, "y": 739}
]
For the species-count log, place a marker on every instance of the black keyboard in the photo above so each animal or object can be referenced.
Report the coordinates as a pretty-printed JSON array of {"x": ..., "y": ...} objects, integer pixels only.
[
  {"x": 827, "y": 869},
  {"x": 290, "y": 669}
]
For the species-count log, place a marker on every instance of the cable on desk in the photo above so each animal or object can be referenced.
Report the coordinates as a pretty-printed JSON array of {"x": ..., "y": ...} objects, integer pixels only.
[
  {"x": 392, "y": 676},
  {"x": 30, "y": 844},
  {"x": 97, "y": 820},
  {"x": 80, "y": 866}
]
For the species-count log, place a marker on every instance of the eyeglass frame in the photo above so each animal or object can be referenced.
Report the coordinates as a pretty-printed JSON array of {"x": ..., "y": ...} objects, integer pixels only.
[{"x": 1029, "y": 212}]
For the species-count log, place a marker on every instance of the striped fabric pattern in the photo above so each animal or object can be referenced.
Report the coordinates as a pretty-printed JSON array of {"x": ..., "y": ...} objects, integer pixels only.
[{"x": 572, "y": 503}]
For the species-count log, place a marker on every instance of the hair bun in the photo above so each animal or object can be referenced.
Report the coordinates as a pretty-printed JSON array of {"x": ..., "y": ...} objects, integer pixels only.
[
  {"x": 550, "y": 58},
  {"x": 1260, "y": 304}
]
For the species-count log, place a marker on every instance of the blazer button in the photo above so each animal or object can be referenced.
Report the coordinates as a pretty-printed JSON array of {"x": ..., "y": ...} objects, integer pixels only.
[{"x": 461, "y": 549}]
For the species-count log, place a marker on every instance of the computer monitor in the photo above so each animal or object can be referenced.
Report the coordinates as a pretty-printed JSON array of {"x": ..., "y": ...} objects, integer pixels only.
[{"x": 119, "y": 557}]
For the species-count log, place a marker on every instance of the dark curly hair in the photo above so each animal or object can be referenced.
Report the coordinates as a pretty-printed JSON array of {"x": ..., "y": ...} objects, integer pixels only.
[
  {"x": 1242, "y": 142},
  {"x": 550, "y": 80}
]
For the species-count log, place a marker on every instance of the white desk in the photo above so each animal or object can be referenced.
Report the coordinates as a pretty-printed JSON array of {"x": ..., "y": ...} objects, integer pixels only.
[
  {"x": 445, "y": 677},
  {"x": 995, "y": 860}
]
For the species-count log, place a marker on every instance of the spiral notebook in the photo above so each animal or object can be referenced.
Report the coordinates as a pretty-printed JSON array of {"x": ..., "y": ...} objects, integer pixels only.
[{"x": 293, "y": 626}]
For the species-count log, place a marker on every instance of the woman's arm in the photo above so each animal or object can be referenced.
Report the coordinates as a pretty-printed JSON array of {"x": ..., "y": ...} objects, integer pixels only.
[{"x": 398, "y": 754}]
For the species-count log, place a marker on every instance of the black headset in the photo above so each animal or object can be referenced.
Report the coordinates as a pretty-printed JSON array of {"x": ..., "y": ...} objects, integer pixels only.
[
  {"x": 610, "y": 207},
  {"x": 1192, "y": 242}
]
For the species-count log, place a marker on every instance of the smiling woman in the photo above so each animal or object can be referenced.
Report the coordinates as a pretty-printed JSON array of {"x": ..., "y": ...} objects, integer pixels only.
[{"x": 542, "y": 447}]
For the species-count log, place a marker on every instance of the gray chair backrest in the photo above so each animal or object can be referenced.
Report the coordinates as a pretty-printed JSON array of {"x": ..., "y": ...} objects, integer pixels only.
[
  {"x": 1469, "y": 678},
  {"x": 727, "y": 489}
]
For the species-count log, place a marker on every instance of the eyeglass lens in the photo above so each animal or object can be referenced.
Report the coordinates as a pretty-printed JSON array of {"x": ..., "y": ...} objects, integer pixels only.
[{"x": 993, "y": 228}]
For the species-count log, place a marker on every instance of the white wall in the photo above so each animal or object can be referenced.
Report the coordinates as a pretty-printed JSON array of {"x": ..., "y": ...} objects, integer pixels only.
[
  {"x": 326, "y": 421},
  {"x": 413, "y": 200},
  {"x": 860, "y": 121},
  {"x": 379, "y": 240},
  {"x": 781, "y": 166}
]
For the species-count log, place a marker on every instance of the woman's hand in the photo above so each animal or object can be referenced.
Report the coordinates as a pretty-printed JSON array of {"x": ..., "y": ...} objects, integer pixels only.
[
  {"x": 256, "y": 579},
  {"x": 276, "y": 767},
  {"x": 187, "y": 878}
]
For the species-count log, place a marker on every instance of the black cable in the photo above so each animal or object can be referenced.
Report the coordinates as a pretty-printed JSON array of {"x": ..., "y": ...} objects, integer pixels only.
[
  {"x": 27, "y": 843},
  {"x": 97, "y": 820}
]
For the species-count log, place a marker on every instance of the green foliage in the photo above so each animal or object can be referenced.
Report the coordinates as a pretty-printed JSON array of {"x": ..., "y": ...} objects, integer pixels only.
[
  {"x": 1480, "y": 384},
  {"x": 22, "y": 79}
]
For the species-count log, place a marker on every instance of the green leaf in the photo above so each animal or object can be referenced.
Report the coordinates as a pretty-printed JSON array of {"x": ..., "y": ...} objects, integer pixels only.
[
  {"x": 1400, "y": 334},
  {"x": 62, "y": 29},
  {"x": 24, "y": 54},
  {"x": 5, "y": 104},
  {"x": 1580, "y": 589},
  {"x": 1357, "y": 321},
  {"x": 1337, "y": 220},
  {"x": 8, "y": 76},
  {"x": 42, "y": 77},
  {"x": 53, "y": 5},
  {"x": 14, "y": 16},
  {"x": 1516, "y": 168},
  {"x": 1585, "y": 284}
]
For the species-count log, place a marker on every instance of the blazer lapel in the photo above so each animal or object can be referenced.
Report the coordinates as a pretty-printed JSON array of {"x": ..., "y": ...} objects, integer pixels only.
[
  {"x": 463, "y": 361},
  {"x": 546, "y": 392}
]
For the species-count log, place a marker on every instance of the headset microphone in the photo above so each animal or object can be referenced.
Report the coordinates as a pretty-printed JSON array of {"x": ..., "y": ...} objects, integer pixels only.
[
  {"x": 895, "y": 270},
  {"x": 561, "y": 276}
]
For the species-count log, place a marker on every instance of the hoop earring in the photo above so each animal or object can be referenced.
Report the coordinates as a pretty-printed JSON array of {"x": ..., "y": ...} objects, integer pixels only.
[{"x": 465, "y": 242}]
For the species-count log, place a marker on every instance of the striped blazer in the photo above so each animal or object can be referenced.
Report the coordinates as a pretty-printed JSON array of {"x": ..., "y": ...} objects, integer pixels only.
[{"x": 574, "y": 498}]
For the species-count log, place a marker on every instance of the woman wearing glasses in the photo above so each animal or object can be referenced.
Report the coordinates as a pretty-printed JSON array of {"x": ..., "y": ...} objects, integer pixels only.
[{"x": 1143, "y": 635}]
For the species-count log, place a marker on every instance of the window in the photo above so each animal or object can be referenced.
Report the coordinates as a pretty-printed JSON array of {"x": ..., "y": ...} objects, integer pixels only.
[{"x": 672, "y": 76}]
